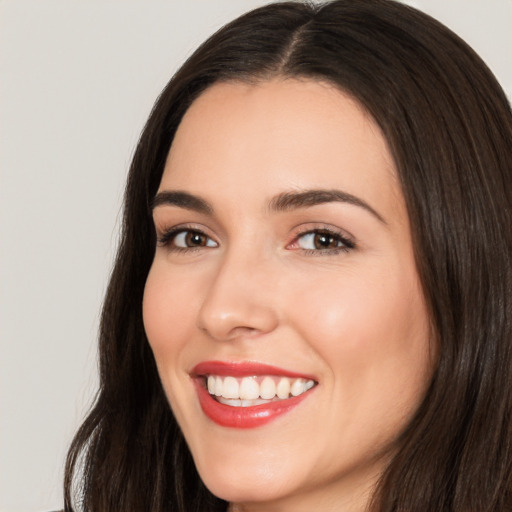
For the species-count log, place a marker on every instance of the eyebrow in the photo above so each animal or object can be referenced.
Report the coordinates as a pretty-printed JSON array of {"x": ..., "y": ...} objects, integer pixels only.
[
  {"x": 182, "y": 200},
  {"x": 294, "y": 200},
  {"x": 286, "y": 201}
]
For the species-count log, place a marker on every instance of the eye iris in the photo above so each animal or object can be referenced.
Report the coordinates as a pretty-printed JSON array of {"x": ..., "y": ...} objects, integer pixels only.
[
  {"x": 325, "y": 241},
  {"x": 195, "y": 239}
]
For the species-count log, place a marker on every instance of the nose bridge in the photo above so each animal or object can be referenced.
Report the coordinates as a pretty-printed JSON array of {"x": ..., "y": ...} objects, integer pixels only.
[{"x": 238, "y": 301}]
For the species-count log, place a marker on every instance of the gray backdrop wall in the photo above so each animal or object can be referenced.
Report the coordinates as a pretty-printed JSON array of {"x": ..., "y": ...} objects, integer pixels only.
[{"x": 77, "y": 80}]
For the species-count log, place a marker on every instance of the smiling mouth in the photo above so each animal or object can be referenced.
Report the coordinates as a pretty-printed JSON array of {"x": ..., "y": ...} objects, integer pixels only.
[
  {"x": 248, "y": 394},
  {"x": 255, "y": 390}
]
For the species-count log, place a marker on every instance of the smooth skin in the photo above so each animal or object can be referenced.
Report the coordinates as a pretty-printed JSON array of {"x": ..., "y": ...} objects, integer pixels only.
[{"x": 328, "y": 289}]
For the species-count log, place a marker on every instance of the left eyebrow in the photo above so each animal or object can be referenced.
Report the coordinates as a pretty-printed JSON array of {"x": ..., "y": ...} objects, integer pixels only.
[
  {"x": 181, "y": 200},
  {"x": 304, "y": 199}
]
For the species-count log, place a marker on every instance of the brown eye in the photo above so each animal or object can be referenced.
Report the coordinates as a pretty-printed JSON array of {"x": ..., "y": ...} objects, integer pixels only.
[
  {"x": 325, "y": 241},
  {"x": 187, "y": 239},
  {"x": 195, "y": 239}
]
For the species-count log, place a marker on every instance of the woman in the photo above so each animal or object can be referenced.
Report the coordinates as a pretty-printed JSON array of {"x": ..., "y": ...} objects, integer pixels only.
[{"x": 310, "y": 308}]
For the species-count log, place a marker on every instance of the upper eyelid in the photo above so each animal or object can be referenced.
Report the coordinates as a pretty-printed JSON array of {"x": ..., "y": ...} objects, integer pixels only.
[
  {"x": 310, "y": 227},
  {"x": 163, "y": 228},
  {"x": 164, "y": 223},
  {"x": 165, "y": 236}
]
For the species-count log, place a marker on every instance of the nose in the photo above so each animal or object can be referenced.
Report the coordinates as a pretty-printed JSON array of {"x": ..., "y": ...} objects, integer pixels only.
[{"x": 239, "y": 301}]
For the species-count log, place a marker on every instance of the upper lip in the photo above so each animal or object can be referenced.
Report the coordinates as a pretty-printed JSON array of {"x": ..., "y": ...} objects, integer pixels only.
[{"x": 244, "y": 369}]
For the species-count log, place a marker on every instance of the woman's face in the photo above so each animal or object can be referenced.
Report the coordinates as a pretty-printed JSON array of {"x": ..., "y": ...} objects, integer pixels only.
[{"x": 285, "y": 269}]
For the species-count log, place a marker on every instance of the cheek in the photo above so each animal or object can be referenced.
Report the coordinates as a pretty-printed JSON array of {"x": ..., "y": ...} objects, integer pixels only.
[
  {"x": 361, "y": 311},
  {"x": 372, "y": 330},
  {"x": 166, "y": 309}
]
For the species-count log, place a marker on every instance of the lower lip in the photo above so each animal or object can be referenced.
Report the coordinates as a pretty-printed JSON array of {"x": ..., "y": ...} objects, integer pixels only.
[{"x": 243, "y": 417}]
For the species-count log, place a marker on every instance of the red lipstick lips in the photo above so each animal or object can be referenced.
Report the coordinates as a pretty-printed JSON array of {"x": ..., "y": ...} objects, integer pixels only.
[{"x": 243, "y": 417}]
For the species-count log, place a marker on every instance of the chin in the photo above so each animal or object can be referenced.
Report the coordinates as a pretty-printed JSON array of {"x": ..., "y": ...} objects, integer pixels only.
[
  {"x": 249, "y": 479},
  {"x": 249, "y": 489}
]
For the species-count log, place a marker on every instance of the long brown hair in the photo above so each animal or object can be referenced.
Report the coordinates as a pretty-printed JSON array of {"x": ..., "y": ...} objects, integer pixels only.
[{"x": 448, "y": 125}]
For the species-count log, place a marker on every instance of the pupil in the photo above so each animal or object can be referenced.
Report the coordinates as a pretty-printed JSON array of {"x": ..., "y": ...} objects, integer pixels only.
[
  {"x": 323, "y": 241},
  {"x": 195, "y": 239}
]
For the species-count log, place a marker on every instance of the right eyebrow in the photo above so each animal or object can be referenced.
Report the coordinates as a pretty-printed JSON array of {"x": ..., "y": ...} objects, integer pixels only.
[
  {"x": 182, "y": 200},
  {"x": 307, "y": 198}
]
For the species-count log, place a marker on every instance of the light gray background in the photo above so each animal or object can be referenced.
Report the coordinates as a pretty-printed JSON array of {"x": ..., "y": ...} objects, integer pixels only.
[{"x": 77, "y": 81}]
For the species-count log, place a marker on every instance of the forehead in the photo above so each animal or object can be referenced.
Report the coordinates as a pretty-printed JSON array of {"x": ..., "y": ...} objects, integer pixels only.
[{"x": 256, "y": 139}]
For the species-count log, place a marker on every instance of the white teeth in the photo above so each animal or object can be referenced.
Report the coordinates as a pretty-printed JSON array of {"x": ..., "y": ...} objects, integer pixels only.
[
  {"x": 218, "y": 386},
  {"x": 250, "y": 391},
  {"x": 283, "y": 388},
  {"x": 297, "y": 388},
  {"x": 268, "y": 388},
  {"x": 230, "y": 388},
  {"x": 211, "y": 385},
  {"x": 241, "y": 403},
  {"x": 231, "y": 402}
]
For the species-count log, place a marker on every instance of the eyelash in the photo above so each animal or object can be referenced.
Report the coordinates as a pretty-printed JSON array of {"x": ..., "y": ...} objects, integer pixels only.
[
  {"x": 169, "y": 236},
  {"x": 347, "y": 244}
]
